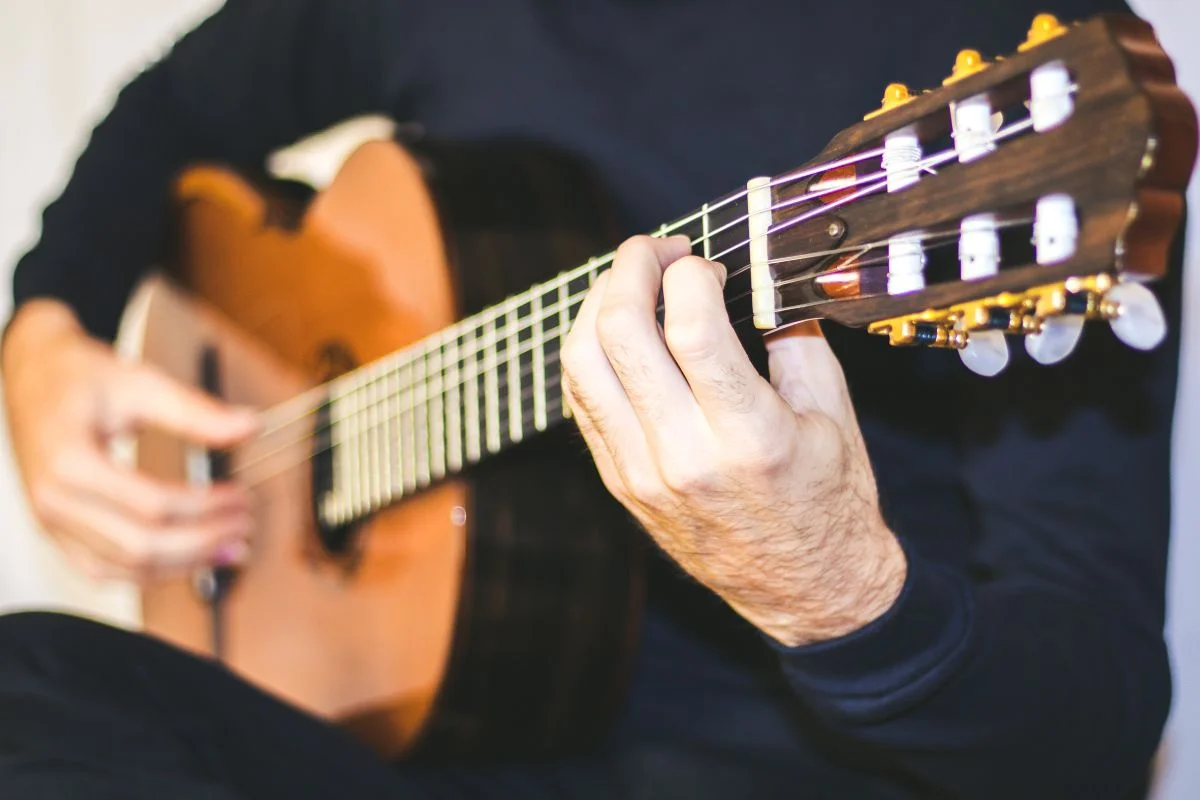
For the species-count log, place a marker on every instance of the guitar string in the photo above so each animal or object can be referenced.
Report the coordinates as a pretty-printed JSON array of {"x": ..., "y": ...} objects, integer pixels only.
[
  {"x": 384, "y": 365},
  {"x": 553, "y": 405},
  {"x": 494, "y": 312},
  {"x": 407, "y": 407},
  {"x": 471, "y": 368},
  {"x": 924, "y": 164},
  {"x": 404, "y": 401}
]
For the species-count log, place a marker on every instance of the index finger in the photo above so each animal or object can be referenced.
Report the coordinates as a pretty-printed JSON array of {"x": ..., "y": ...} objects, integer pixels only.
[
  {"x": 627, "y": 325},
  {"x": 730, "y": 393},
  {"x": 147, "y": 397},
  {"x": 149, "y": 499}
]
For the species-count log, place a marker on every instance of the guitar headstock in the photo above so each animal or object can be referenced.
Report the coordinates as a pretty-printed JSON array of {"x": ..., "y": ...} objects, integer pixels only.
[{"x": 1024, "y": 195}]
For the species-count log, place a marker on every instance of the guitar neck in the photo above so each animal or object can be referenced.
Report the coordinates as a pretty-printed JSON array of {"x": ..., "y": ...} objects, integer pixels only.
[{"x": 433, "y": 409}]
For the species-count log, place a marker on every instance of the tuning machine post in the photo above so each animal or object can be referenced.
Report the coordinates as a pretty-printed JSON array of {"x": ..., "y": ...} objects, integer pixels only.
[
  {"x": 1050, "y": 317},
  {"x": 1130, "y": 309}
]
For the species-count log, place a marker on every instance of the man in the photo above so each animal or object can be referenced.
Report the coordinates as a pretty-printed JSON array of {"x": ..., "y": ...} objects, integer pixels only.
[{"x": 950, "y": 587}]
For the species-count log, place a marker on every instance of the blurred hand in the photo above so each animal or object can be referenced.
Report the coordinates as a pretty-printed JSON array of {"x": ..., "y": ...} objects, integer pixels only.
[
  {"x": 67, "y": 396},
  {"x": 761, "y": 491}
]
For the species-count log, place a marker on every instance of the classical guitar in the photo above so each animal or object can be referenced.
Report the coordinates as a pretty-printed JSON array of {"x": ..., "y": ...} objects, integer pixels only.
[{"x": 400, "y": 329}]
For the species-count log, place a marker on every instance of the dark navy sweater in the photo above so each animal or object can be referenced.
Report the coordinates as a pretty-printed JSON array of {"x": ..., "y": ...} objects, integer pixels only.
[{"x": 1025, "y": 655}]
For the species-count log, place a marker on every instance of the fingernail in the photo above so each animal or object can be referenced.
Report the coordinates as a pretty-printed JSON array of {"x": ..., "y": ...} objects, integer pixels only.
[
  {"x": 234, "y": 552},
  {"x": 722, "y": 273}
]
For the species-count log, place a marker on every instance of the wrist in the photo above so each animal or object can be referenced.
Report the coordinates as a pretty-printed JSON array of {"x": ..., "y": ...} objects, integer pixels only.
[
  {"x": 859, "y": 583},
  {"x": 37, "y": 325}
]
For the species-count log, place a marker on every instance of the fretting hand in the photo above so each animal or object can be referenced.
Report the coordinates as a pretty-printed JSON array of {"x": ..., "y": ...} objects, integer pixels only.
[{"x": 761, "y": 491}]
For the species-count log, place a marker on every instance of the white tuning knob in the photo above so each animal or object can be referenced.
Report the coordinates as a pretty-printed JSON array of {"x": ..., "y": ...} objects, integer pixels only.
[
  {"x": 1056, "y": 340},
  {"x": 1139, "y": 321},
  {"x": 986, "y": 352}
]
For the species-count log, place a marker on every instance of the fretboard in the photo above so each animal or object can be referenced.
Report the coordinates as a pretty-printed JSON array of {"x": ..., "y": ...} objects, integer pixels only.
[{"x": 429, "y": 411}]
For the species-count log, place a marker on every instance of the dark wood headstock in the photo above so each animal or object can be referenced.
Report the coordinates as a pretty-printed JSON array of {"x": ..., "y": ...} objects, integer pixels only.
[{"x": 1124, "y": 155}]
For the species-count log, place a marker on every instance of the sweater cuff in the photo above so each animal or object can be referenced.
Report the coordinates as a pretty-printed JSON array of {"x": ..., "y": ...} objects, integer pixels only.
[{"x": 896, "y": 660}]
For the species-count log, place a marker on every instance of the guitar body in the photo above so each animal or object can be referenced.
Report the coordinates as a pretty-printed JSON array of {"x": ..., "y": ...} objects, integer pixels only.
[{"x": 487, "y": 615}]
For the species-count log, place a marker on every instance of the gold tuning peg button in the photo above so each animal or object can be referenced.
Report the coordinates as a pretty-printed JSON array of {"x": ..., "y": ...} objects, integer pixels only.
[
  {"x": 896, "y": 94},
  {"x": 1044, "y": 28},
  {"x": 968, "y": 62}
]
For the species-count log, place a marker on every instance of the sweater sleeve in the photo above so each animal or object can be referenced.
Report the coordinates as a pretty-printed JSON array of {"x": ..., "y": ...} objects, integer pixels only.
[
  {"x": 255, "y": 76},
  {"x": 1041, "y": 670}
]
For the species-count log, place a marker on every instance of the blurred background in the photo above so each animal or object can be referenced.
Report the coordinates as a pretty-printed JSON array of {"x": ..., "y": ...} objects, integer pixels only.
[{"x": 61, "y": 62}]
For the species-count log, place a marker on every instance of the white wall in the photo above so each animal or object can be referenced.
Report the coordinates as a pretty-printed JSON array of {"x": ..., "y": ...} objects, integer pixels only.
[
  {"x": 62, "y": 60},
  {"x": 1178, "y": 26}
]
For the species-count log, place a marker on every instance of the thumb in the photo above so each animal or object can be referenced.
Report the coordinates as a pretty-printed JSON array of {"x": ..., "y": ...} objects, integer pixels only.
[
  {"x": 144, "y": 397},
  {"x": 806, "y": 373}
]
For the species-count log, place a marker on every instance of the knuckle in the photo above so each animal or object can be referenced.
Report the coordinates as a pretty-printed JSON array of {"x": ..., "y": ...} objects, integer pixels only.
[
  {"x": 614, "y": 321},
  {"x": 137, "y": 553},
  {"x": 155, "y": 509},
  {"x": 688, "y": 478},
  {"x": 645, "y": 487},
  {"x": 689, "y": 338},
  {"x": 819, "y": 430},
  {"x": 768, "y": 459},
  {"x": 570, "y": 357},
  {"x": 653, "y": 495}
]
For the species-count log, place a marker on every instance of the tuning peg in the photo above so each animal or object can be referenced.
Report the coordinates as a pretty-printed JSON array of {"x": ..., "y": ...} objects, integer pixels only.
[
  {"x": 1056, "y": 340},
  {"x": 1044, "y": 28},
  {"x": 1135, "y": 315},
  {"x": 967, "y": 62},
  {"x": 896, "y": 94},
  {"x": 985, "y": 353}
]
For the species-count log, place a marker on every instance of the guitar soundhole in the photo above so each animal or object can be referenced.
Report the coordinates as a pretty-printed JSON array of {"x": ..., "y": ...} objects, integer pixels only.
[
  {"x": 333, "y": 359},
  {"x": 338, "y": 540}
]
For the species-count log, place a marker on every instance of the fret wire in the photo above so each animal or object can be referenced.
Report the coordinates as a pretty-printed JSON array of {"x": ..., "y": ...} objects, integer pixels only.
[
  {"x": 325, "y": 441},
  {"x": 471, "y": 402},
  {"x": 454, "y": 443},
  {"x": 383, "y": 445},
  {"x": 437, "y": 414},
  {"x": 481, "y": 319},
  {"x": 346, "y": 414},
  {"x": 420, "y": 390},
  {"x": 362, "y": 461},
  {"x": 371, "y": 440},
  {"x": 408, "y": 434},
  {"x": 353, "y": 456},
  {"x": 539, "y": 364},
  {"x": 564, "y": 321},
  {"x": 512, "y": 356},
  {"x": 391, "y": 454},
  {"x": 365, "y": 440},
  {"x": 402, "y": 397},
  {"x": 476, "y": 368},
  {"x": 491, "y": 388},
  {"x": 341, "y": 455}
]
